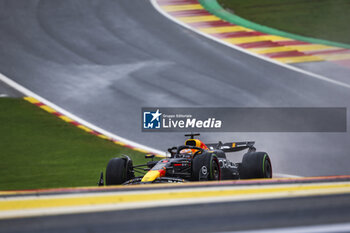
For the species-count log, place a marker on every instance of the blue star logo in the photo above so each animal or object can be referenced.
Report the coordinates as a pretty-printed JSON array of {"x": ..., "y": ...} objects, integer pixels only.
[{"x": 152, "y": 120}]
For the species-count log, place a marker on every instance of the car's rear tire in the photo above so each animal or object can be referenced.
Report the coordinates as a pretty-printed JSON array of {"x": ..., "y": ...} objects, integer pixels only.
[
  {"x": 256, "y": 165},
  {"x": 205, "y": 167},
  {"x": 118, "y": 171}
]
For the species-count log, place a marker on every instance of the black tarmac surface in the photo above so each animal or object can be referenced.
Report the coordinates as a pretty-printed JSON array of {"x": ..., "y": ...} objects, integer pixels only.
[{"x": 217, "y": 217}]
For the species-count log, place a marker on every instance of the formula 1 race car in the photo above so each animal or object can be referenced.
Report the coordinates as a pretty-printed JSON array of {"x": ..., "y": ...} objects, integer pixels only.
[{"x": 193, "y": 161}]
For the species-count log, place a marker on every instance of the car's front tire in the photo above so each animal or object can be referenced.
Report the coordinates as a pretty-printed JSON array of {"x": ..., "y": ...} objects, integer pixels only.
[
  {"x": 205, "y": 167},
  {"x": 118, "y": 171}
]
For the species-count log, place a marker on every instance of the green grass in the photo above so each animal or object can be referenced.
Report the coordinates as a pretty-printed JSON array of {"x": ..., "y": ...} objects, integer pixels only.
[
  {"x": 323, "y": 19},
  {"x": 38, "y": 150}
]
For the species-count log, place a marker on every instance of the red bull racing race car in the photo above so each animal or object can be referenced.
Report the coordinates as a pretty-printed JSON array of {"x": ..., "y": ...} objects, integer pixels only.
[{"x": 193, "y": 161}]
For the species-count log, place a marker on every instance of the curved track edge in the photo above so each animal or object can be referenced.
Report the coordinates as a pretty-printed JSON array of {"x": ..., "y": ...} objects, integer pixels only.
[
  {"x": 214, "y": 7},
  {"x": 82, "y": 124},
  {"x": 236, "y": 47}
]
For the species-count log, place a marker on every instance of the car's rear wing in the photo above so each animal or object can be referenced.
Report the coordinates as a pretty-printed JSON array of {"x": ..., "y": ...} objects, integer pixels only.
[{"x": 231, "y": 146}]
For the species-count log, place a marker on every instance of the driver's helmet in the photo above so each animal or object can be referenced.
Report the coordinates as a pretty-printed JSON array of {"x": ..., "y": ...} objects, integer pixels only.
[{"x": 186, "y": 153}]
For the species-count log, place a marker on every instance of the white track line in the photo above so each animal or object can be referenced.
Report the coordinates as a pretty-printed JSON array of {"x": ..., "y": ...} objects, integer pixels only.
[
  {"x": 27, "y": 92},
  {"x": 281, "y": 175},
  {"x": 310, "y": 74},
  {"x": 342, "y": 227}
]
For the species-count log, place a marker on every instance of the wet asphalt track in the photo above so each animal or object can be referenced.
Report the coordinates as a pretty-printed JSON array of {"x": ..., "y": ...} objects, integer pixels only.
[
  {"x": 7, "y": 91},
  {"x": 103, "y": 60},
  {"x": 197, "y": 218},
  {"x": 206, "y": 217}
]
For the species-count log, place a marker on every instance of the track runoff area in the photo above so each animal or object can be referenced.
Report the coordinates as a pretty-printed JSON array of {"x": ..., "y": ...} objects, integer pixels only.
[{"x": 30, "y": 203}]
